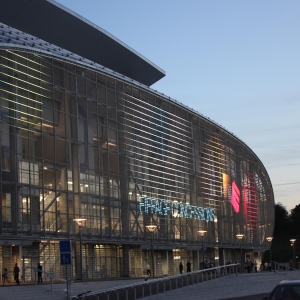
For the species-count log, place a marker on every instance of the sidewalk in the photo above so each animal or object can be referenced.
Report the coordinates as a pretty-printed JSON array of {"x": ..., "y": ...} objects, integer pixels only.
[{"x": 227, "y": 287}]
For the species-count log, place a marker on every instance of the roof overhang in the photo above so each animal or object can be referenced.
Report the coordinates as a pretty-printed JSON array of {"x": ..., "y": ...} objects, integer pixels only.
[{"x": 52, "y": 22}]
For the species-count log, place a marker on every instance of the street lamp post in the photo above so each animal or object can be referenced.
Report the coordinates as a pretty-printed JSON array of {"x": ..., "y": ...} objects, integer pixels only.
[
  {"x": 240, "y": 237},
  {"x": 293, "y": 245},
  {"x": 269, "y": 239},
  {"x": 80, "y": 223},
  {"x": 202, "y": 233},
  {"x": 152, "y": 228}
]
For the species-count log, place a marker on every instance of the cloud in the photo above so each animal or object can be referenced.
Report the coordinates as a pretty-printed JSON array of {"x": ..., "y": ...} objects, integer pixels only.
[{"x": 287, "y": 183}]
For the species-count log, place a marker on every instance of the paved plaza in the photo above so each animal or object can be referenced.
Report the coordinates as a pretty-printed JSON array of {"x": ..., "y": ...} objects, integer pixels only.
[{"x": 229, "y": 287}]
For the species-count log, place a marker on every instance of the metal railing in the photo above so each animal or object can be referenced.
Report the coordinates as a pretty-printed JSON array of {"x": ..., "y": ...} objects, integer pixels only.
[
  {"x": 280, "y": 267},
  {"x": 159, "y": 285}
]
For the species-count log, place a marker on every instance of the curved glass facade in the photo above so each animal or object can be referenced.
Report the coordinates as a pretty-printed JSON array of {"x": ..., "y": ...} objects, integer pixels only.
[{"x": 78, "y": 141}]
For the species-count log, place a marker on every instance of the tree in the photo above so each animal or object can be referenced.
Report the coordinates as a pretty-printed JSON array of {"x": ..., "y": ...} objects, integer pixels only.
[
  {"x": 295, "y": 221},
  {"x": 282, "y": 221},
  {"x": 281, "y": 248}
]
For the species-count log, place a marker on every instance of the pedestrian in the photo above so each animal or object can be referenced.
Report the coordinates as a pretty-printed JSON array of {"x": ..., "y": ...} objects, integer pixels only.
[
  {"x": 39, "y": 271},
  {"x": 16, "y": 274},
  {"x": 180, "y": 267},
  {"x": 5, "y": 276},
  {"x": 270, "y": 266},
  {"x": 291, "y": 264},
  {"x": 261, "y": 267},
  {"x": 148, "y": 271},
  {"x": 188, "y": 267},
  {"x": 255, "y": 266},
  {"x": 248, "y": 266}
]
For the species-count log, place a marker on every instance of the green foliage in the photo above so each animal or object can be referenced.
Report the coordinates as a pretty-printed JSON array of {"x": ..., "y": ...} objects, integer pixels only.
[
  {"x": 287, "y": 226},
  {"x": 282, "y": 220},
  {"x": 295, "y": 221}
]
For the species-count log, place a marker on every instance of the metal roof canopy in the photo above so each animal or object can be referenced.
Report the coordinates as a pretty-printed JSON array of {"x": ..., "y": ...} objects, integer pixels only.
[{"x": 52, "y": 22}]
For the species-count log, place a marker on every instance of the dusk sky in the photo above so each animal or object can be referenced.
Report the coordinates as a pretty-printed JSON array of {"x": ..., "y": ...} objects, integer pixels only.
[{"x": 236, "y": 62}]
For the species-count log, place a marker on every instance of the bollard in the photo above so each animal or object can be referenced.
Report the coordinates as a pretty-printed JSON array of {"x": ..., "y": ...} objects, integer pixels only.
[{"x": 134, "y": 293}]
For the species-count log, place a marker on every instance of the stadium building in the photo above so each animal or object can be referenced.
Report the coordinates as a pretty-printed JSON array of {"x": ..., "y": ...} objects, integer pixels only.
[{"x": 83, "y": 135}]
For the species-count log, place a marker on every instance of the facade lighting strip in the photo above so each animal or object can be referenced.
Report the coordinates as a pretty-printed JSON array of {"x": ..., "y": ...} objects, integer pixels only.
[
  {"x": 169, "y": 128},
  {"x": 173, "y": 195},
  {"x": 211, "y": 162},
  {"x": 16, "y": 62},
  {"x": 23, "y": 73},
  {"x": 22, "y": 112},
  {"x": 172, "y": 186},
  {"x": 29, "y": 83},
  {"x": 21, "y": 96},
  {"x": 174, "y": 171},
  {"x": 149, "y": 119},
  {"x": 26, "y": 90},
  {"x": 151, "y": 142},
  {"x": 149, "y": 111},
  {"x": 184, "y": 155},
  {"x": 26, "y": 58},
  {"x": 165, "y": 173},
  {"x": 25, "y": 121},
  {"x": 21, "y": 104},
  {"x": 153, "y": 109}
]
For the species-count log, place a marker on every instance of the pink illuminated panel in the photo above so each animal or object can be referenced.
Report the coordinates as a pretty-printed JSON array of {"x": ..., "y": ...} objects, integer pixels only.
[{"x": 235, "y": 197}]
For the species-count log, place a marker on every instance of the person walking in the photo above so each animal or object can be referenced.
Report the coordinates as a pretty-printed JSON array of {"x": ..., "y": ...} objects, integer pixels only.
[
  {"x": 180, "y": 267},
  {"x": 148, "y": 270},
  {"x": 261, "y": 267},
  {"x": 5, "y": 276},
  {"x": 39, "y": 271},
  {"x": 255, "y": 266},
  {"x": 188, "y": 267},
  {"x": 16, "y": 274}
]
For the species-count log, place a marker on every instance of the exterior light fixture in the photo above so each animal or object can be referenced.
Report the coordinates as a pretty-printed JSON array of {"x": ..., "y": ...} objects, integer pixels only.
[
  {"x": 202, "y": 233},
  {"x": 151, "y": 229},
  {"x": 240, "y": 237},
  {"x": 293, "y": 245},
  {"x": 80, "y": 223},
  {"x": 269, "y": 239}
]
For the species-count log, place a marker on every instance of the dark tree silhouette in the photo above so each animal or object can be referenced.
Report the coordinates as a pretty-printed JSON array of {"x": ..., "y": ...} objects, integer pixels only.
[
  {"x": 282, "y": 220},
  {"x": 281, "y": 247},
  {"x": 295, "y": 221}
]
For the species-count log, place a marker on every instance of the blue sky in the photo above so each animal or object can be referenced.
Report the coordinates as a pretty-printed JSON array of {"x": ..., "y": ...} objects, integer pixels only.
[{"x": 236, "y": 62}]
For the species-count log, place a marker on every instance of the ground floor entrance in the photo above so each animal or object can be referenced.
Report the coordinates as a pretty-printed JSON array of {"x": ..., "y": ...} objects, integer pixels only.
[{"x": 101, "y": 261}]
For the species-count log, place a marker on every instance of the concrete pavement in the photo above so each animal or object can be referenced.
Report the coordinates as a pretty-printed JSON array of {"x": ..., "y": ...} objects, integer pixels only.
[
  {"x": 230, "y": 287},
  {"x": 227, "y": 287}
]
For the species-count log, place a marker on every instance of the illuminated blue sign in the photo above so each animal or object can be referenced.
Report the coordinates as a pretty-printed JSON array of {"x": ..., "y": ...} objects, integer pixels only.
[{"x": 176, "y": 209}]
